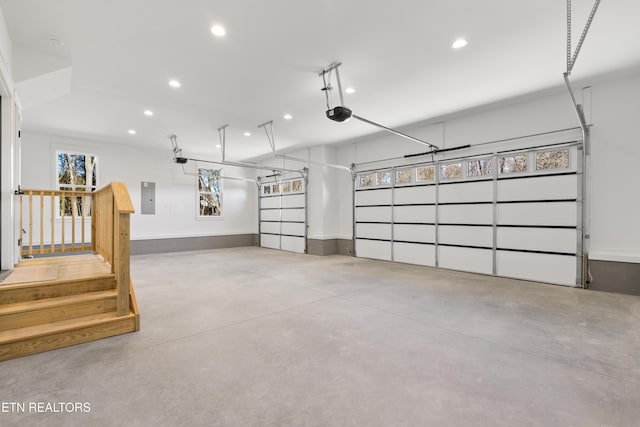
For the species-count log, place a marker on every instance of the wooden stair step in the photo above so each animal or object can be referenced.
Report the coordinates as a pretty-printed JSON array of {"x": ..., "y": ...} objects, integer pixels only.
[
  {"x": 32, "y": 291},
  {"x": 36, "y": 339},
  {"x": 68, "y": 267},
  {"x": 29, "y": 313},
  {"x": 59, "y": 260}
]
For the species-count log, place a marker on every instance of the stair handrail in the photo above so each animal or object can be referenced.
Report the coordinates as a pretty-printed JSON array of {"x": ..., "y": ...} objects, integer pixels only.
[{"x": 110, "y": 232}]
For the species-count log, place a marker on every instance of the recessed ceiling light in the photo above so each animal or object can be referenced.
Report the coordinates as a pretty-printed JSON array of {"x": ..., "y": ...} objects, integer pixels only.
[
  {"x": 132, "y": 132},
  {"x": 459, "y": 43},
  {"x": 174, "y": 83},
  {"x": 148, "y": 113},
  {"x": 350, "y": 90},
  {"x": 218, "y": 30},
  {"x": 218, "y": 145},
  {"x": 288, "y": 117},
  {"x": 56, "y": 42},
  {"x": 247, "y": 134}
]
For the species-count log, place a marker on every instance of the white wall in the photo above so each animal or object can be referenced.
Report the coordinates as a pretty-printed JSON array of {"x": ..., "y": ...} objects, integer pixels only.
[
  {"x": 176, "y": 193},
  {"x": 9, "y": 153},
  {"x": 615, "y": 163},
  {"x": 615, "y": 110}
]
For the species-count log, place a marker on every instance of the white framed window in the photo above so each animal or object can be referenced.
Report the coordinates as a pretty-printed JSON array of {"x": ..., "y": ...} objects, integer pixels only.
[
  {"x": 383, "y": 178},
  {"x": 479, "y": 167},
  {"x": 451, "y": 171},
  {"x": 75, "y": 171},
  {"x": 425, "y": 173},
  {"x": 552, "y": 159},
  {"x": 209, "y": 193},
  {"x": 367, "y": 180},
  {"x": 404, "y": 176},
  {"x": 514, "y": 163}
]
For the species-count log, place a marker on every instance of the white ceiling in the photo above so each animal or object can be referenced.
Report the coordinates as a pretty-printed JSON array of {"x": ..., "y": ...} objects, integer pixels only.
[{"x": 396, "y": 54}]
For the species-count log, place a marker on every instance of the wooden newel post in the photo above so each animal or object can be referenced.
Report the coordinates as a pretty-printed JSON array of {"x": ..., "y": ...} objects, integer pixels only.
[
  {"x": 122, "y": 209},
  {"x": 123, "y": 263}
]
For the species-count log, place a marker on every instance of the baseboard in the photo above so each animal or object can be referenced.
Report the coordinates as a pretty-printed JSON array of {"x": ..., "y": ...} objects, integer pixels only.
[
  {"x": 329, "y": 247},
  {"x": 612, "y": 276},
  {"x": 618, "y": 255},
  {"x": 182, "y": 244}
]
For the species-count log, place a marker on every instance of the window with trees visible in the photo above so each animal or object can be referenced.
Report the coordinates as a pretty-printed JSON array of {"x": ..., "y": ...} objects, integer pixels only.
[
  {"x": 514, "y": 163},
  {"x": 76, "y": 172},
  {"x": 451, "y": 171},
  {"x": 367, "y": 180},
  {"x": 383, "y": 178},
  {"x": 425, "y": 173},
  {"x": 554, "y": 159},
  {"x": 403, "y": 176},
  {"x": 479, "y": 167},
  {"x": 210, "y": 192}
]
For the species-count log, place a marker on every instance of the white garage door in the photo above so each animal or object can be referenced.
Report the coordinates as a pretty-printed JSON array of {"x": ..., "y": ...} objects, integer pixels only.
[
  {"x": 282, "y": 213},
  {"x": 511, "y": 214}
]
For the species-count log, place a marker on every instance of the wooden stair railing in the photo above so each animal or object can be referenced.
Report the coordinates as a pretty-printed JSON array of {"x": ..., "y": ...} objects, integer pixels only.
[
  {"x": 111, "y": 237},
  {"x": 60, "y": 206},
  {"x": 109, "y": 209},
  {"x": 51, "y": 302}
]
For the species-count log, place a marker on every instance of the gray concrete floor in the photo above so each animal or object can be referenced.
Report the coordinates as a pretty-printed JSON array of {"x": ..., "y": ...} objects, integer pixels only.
[{"x": 249, "y": 336}]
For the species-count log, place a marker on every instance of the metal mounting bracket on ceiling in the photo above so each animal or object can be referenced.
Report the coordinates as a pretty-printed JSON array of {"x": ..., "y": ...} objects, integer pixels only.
[
  {"x": 180, "y": 159},
  {"x": 268, "y": 130},
  {"x": 223, "y": 139},
  {"x": 341, "y": 113},
  {"x": 177, "y": 151},
  {"x": 571, "y": 61},
  {"x": 571, "y": 57}
]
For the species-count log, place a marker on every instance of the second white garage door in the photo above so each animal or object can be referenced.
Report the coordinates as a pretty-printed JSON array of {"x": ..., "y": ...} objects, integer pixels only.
[{"x": 512, "y": 214}]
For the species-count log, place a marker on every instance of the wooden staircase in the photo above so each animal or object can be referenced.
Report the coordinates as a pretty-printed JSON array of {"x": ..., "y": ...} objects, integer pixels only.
[{"x": 58, "y": 301}]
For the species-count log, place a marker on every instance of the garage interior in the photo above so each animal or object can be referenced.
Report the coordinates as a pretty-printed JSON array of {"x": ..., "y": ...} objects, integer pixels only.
[{"x": 319, "y": 214}]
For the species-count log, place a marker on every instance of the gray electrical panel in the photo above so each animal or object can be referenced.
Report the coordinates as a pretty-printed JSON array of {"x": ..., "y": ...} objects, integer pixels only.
[{"x": 148, "y": 202}]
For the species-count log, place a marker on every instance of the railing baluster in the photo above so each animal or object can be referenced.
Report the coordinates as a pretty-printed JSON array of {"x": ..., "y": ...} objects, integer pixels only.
[
  {"x": 82, "y": 206},
  {"x": 73, "y": 221},
  {"x": 42, "y": 222},
  {"x": 63, "y": 202},
  {"x": 30, "y": 222},
  {"x": 94, "y": 214},
  {"x": 53, "y": 228}
]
